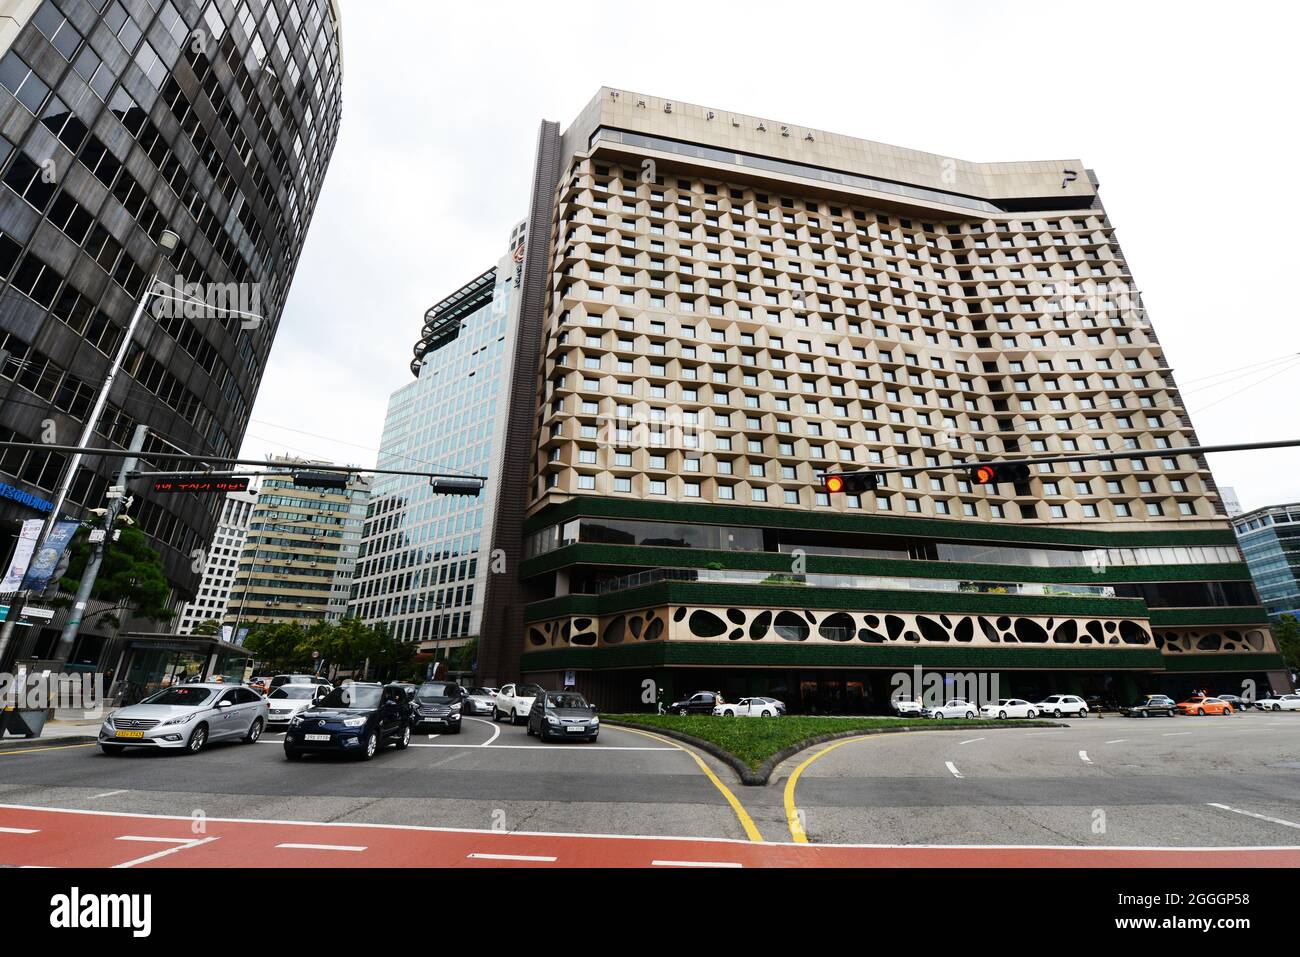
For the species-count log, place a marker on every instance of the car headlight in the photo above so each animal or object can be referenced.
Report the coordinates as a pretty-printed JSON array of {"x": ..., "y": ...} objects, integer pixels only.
[
  {"x": 552, "y": 719},
  {"x": 456, "y": 706},
  {"x": 353, "y": 722},
  {"x": 183, "y": 719},
  {"x": 595, "y": 722},
  {"x": 295, "y": 721}
]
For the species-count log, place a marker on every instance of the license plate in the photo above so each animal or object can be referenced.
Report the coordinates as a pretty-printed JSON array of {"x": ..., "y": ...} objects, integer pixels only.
[
  {"x": 316, "y": 737},
  {"x": 574, "y": 730},
  {"x": 130, "y": 734}
]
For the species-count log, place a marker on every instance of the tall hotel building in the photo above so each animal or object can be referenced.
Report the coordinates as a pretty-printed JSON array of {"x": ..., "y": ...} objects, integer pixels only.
[
  {"x": 424, "y": 561},
  {"x": 718, "y": 308},
  {"x": 119, "y": 119}
]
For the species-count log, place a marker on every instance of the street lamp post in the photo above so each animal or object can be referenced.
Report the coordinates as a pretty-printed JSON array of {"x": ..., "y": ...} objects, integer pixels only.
[{"x": 166, "y": 244}]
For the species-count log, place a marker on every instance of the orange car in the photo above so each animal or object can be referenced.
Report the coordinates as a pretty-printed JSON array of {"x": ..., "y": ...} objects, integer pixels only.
[{"x": 1201, "y": 705}]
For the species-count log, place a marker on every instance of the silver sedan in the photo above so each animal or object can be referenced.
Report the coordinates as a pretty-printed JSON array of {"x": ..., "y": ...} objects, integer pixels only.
[{"x": 185, "y": 718}]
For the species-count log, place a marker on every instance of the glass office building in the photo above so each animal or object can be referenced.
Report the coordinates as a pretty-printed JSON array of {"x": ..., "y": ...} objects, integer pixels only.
[
  {"x": 424, "y": 559},
  {"x": 1270, "y": 542},
  {"x": 119, "y": 119}
]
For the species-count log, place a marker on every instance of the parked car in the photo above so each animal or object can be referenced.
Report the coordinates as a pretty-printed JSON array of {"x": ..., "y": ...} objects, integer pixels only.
[
  {"x": 702, "y": 702},
  {"x": 1009, "y": 708},
  {"x": 751, "y": 708},
  {"x": 955, "y": 708},
  {"x": 287, "y": 700},
  {"x": 1279, "y": 702},
  {"x": 1201, "y": 705},
  {"x": 515, "y": 701},
  {"x": 907, "y": 707},
  {"x": 438, "y": 704},
  {"x": 563, "y": 715},
  {"x": 1059, "y": 705},
  {"x": 1148, "y": 706},
  {"x": 1238, "y": 703},
  {"x": 185, "y": 718},
  {"x": 356, "y": 719},
  {"x": 480, "y": 700}
]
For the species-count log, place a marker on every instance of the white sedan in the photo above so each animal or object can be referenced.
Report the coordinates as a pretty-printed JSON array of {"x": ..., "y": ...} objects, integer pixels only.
[
  {"x": 1280, "y": 702},
  {"x": 751, "y": 708},
  {"x": 1009, "y": 708},
  {"x": 1058, "y": 705},
  {"x": 956, "y": 708},
  {"x": 906, "y": 707},
  {"x": 287, "y": 700}
]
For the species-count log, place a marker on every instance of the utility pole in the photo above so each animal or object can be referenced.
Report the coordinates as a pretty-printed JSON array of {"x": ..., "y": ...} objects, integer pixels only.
[
  {"x": 97, "y": 549},
  {"x": 166, "y": 243}
]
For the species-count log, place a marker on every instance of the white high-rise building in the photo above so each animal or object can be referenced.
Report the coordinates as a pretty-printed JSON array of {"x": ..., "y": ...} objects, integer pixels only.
[{"x": 221, "y": 561}]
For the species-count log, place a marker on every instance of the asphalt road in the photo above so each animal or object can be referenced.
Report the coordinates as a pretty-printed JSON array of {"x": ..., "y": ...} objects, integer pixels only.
[
  {"x": 488, "y": 776},
  {"x": 1186, "y": 781},
  {"x": 492, "y": 795}
]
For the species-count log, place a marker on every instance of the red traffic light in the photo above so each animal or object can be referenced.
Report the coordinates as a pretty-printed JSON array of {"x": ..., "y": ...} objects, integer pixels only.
[
  {"x": 834, "y": 484},
  {"x": 983, "y": 475},
  {"x": 1012, "y": 473}
]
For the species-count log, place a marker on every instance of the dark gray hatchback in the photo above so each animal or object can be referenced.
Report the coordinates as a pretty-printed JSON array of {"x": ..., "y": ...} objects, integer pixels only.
[{"x": 563, "y": 715}]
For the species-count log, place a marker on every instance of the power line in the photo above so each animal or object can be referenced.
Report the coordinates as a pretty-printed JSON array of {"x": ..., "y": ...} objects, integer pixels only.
[{"x": 1233, "y": 395}]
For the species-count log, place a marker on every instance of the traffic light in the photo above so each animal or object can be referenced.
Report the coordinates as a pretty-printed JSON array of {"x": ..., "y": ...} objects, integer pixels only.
[
  {"x": 322, "y": 480},
  {"x": 447, "y": 485},
  {"x": 852, "y": 483},
  {"x": 999, "y": 473}
]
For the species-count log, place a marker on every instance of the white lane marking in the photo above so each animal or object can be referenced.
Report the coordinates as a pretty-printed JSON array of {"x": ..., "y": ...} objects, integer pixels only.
[
  {"x": 970, "y": 741},
  {"x": 1261, "y": 817},
  {"x": 745, "y": 842},
  {"x": 432, "y": 736},
  {"x": 496, "y": 729},
  {"x": 108, "y": 794},
  {"x": 1175, "y": 734},
  {"x": 509, "y": 857},
  {"x": 537, "y": 747},
  {"x": 1117, "y": 741},
  {"x": 953, "y": 768},
  {"x": 321, "y": 847},
  {"x": 696, "y": 864},
  {"x": 1083, "y": 756},
  {"x": 18, "y": 830},
  {"x": 153, "y": 840},
  {"x": 169, "y": 851}
]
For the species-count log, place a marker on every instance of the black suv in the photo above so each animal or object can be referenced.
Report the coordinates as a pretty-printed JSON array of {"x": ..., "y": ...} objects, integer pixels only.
[
  {"x": 1148, "y": 706},
  {"x": 355, "y": 719},
  {"x": 438, "y": 704}
]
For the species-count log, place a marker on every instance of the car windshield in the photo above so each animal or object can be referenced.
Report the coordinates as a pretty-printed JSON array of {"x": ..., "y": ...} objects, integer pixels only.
[
  {"x": 529, "y": 691},
  {"x": 180, "y": 697},
  {"x": 567, "y": 701},
  {"x": 432, "y": 690},
  {"x": 294, "y": 692},
  {"x": 481, "y": 692},
  {"x": 352, "y": 696}
]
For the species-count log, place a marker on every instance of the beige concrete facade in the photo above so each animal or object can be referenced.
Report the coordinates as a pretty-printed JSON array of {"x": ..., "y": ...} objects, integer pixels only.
[{"x": 739, "y": 304}]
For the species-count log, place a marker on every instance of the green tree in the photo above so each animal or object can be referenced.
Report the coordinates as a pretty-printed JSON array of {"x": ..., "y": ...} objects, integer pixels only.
[
  {"x": 279, "y": 645},
  {"x": 131, "y": 574},
  {"x": 208, "y": 626},
  {"x": 1287, "y": 632}
]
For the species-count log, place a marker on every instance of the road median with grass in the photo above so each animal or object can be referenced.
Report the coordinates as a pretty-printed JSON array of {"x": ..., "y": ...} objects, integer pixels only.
[{"x": 755, "y": 746}]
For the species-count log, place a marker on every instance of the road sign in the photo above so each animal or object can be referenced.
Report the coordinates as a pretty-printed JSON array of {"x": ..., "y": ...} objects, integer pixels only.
[{"x": 201, "y": 485}]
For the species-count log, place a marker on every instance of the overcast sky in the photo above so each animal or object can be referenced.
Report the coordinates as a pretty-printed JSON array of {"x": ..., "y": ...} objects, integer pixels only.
[{"x": 1186, "y": 113}]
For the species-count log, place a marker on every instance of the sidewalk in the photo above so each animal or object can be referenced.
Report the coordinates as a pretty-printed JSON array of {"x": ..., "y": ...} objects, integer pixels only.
[{"x": 56, "y": 732}]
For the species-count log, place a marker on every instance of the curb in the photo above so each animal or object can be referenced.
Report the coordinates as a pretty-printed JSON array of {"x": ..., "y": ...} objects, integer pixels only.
[
  {"x": 751, "y": 778},
  {"x": 10, "y": 744}
]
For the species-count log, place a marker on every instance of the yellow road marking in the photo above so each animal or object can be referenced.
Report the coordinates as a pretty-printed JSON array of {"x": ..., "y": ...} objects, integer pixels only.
[
  {"x": 61, "y": 747},
  {"x": 797, "y": 832},
  {"x": 746, "y": 822}
]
